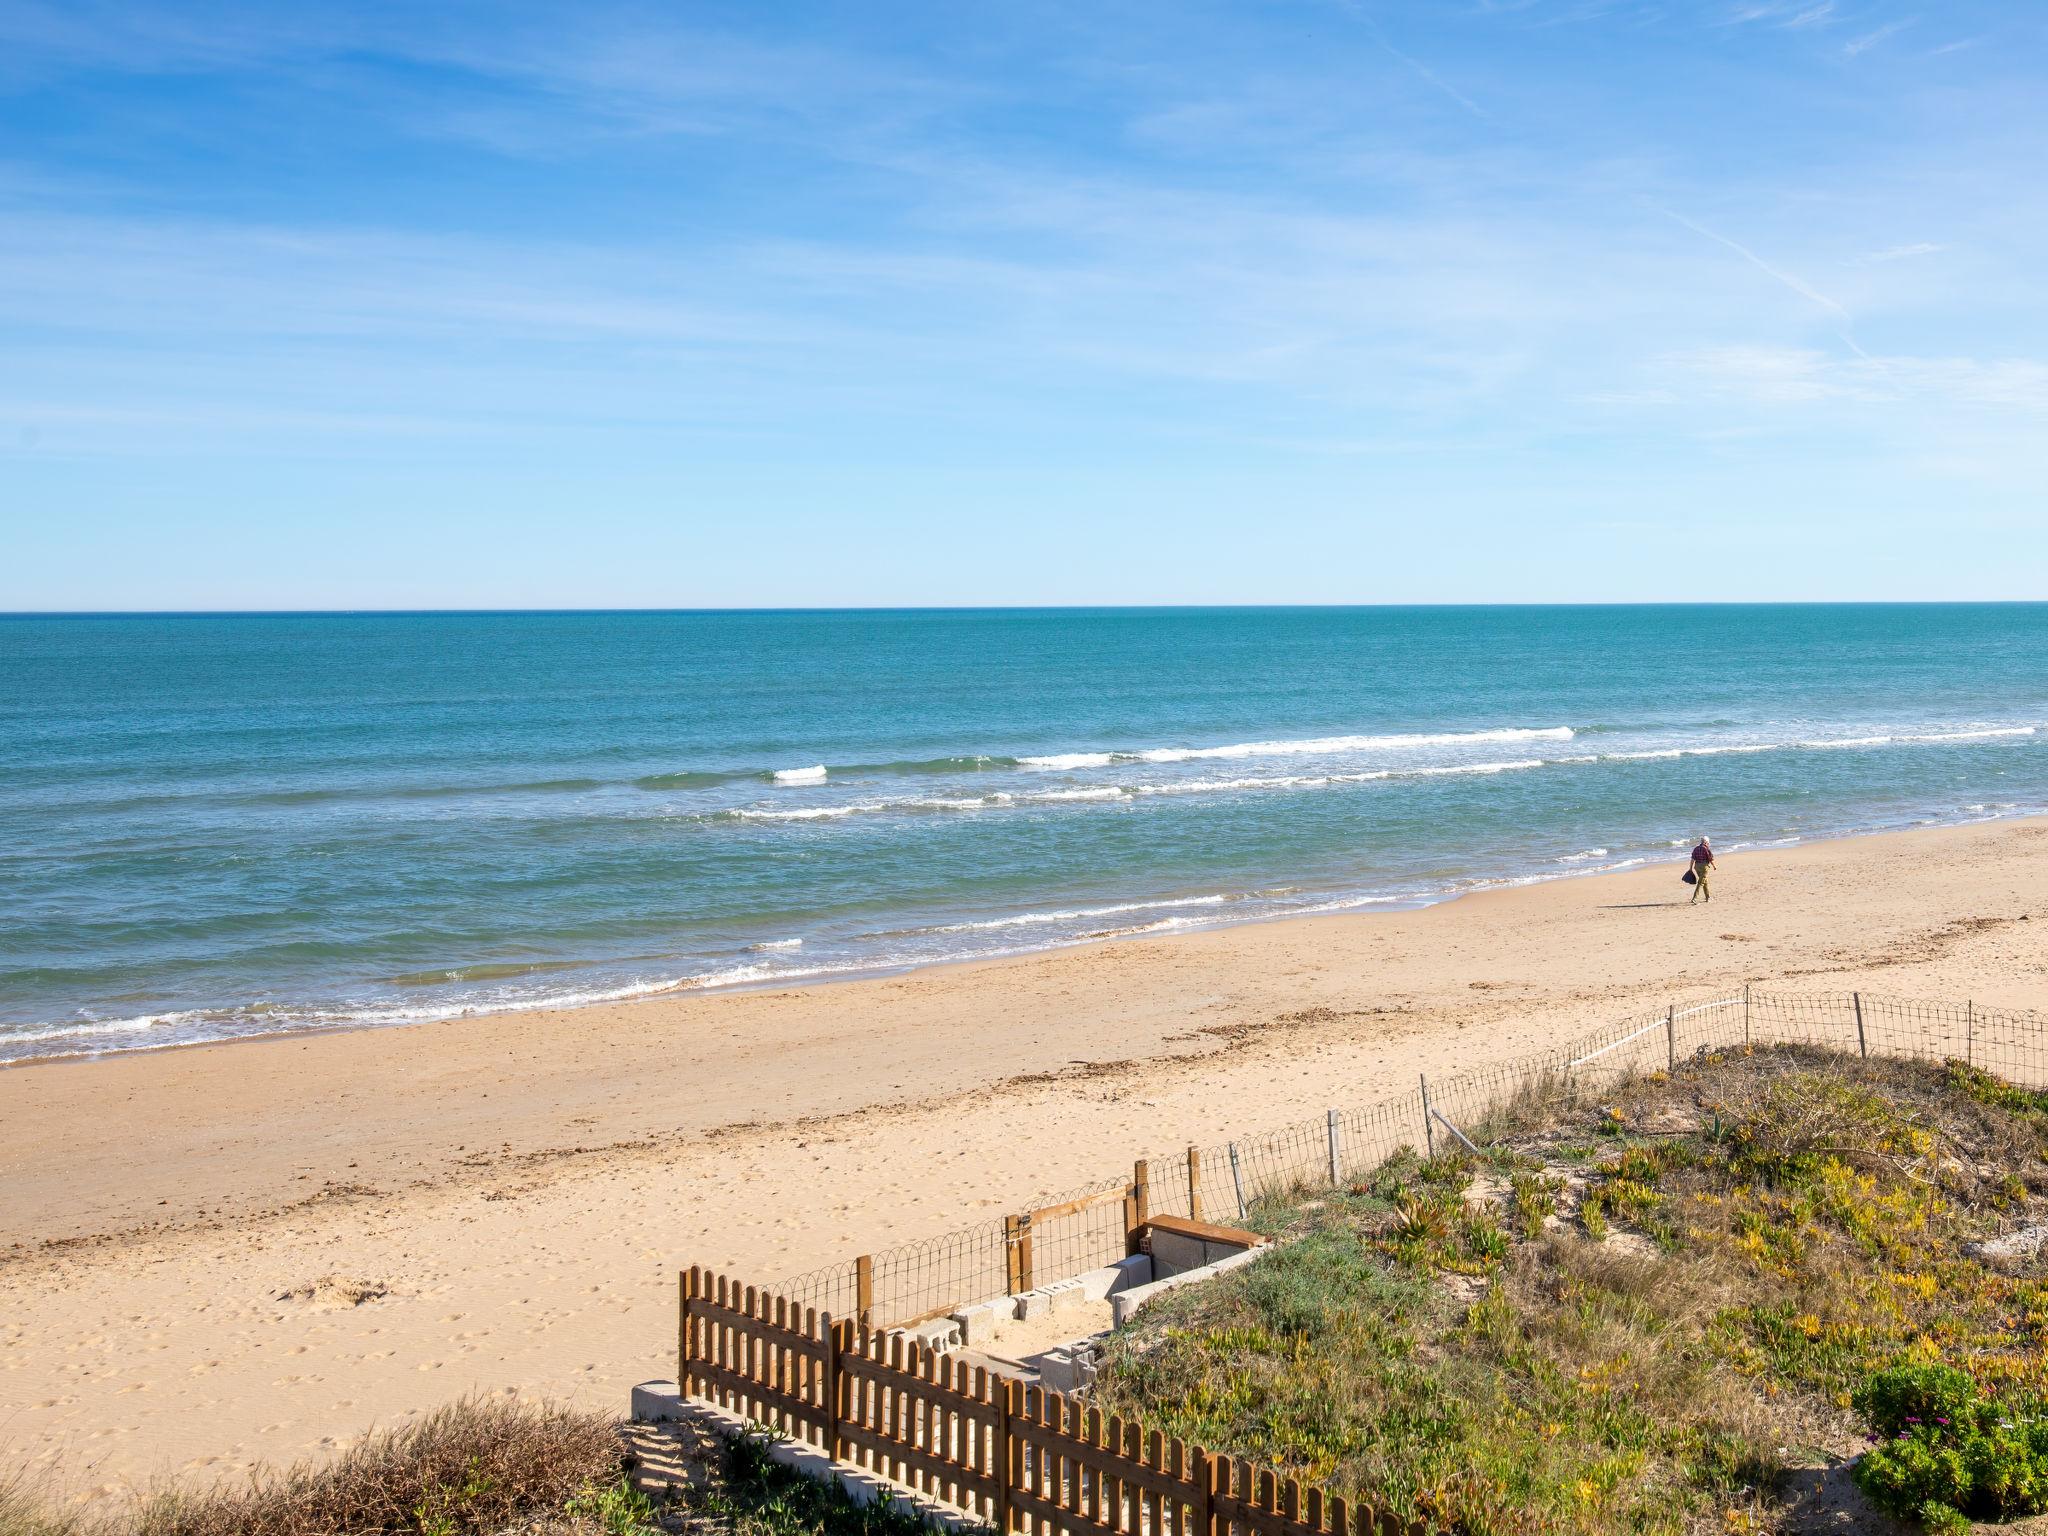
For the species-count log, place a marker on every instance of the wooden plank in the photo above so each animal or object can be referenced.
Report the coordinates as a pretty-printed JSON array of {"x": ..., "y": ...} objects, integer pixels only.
[
  {"x": 1001, "y": 1461},
  {"x": 1050, "y": 1514},
  {"x": 1012, "y": 1240},
  {"x": 1206, "y": 1230},
  {"x": 1076, "y": 1207},
  {"x": 720, "y": 1378},
  {"x": 921, "y": 1461},
  {"x": 1051, "y": 1441},
  {"x": 733, "y": 1317}
]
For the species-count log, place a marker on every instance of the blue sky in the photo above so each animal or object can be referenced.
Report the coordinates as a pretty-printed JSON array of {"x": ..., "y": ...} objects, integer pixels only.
[{"x": 746, "y": 304}]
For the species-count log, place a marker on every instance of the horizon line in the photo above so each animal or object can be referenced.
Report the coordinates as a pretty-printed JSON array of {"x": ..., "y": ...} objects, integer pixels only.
[{"x": 494, "y": 611}]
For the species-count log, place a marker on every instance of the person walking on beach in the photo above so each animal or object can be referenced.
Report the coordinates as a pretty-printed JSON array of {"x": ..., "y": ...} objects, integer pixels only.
[{"x": 1702, "y": 863}]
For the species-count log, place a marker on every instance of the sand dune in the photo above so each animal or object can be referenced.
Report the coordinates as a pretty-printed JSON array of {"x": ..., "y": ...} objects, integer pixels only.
[{"x": 258, "y": 1250}]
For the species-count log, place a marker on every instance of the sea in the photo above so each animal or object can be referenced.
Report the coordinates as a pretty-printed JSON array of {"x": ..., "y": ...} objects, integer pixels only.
[{"x": 226, "y": 825}]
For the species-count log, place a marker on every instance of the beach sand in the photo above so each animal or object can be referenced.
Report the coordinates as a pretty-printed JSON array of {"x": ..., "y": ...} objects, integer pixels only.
[{"x": 255, "y": 1251}]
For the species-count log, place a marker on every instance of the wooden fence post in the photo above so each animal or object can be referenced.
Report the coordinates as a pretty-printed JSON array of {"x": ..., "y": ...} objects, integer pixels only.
[
  {"x": 1237, "y": 1180},
  {"x": 1138, "y": 1209},
  {"x": 1428, "y": 1125},
  {"x": 1000, "y": 1453},
  {"x": 1203, "y": 1499},
  {"x": 1012, "y": 1237},
  {"x": 864, "y": 1290},
  {"x": 1969, "y": 1033},
  {"x": 839, "y": 1342},
  {"x": 1862, "y": 1046},
  {"x": 1024, "y": 1252},
  {"x": 1745, "y": 1018},
  {"x": 1671, "y": 1038},
  {"x": 688, "y": 1287},
  {"x": 1336, "y": 1151},
  {"x": 1194, "y": 1183}
]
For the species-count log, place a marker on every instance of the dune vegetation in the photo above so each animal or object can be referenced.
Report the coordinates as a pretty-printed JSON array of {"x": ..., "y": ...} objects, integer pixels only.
[{"x": 1704, "y": 1300}]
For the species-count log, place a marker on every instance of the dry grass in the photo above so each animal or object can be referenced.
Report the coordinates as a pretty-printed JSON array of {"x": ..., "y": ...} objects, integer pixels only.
[
  {"x": 473, "y": 1466},
  {"x": 482, "y": 1465},
  {"x": 25, "y": 1511}
]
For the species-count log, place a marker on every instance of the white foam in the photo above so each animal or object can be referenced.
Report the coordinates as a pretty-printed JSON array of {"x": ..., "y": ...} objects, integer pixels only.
[
  {"x": 1071, "y": 760},
  {"x": 1584, "y": 856},
  {"x": 1312, "y": 746},
  {"x": 812, "y": 775},
  {"x": 1074, "y": 915},
  {"x": 1822, "y": 744},
  {"x": 767, "y": 944},
  {"x": 814, "y": 813},
  {"x": 1979, "y": 735},
  {"x": 1341, "y": 904}
]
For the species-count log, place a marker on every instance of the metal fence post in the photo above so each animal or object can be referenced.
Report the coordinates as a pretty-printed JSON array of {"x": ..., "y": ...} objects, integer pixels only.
[
  {"x": 1237, "y": 1180},
  {"x": 1862, "y": 1045},
  {"x": 1969, "y": 1032},
  {"x": 1428, "y": 1125},
  {"x": 1671, "y": 1037},
  {"x": 1336, "y": 1151}
]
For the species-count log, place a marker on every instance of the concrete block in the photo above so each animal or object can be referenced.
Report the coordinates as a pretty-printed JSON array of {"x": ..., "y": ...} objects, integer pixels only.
[
  {"x": 657, "y": 1402},
  {"x": 978, "y": 1323},
  {"x": 1124, "y": 1306},
  {"x": 862, "y": 1486},
  {"x": 1059, "y": 1370},
  {"x": 1101, "y": 1284},
  {"x": 940, "y": 1334},
  {"x": 1067, "y": 1296},
  {"x": 1032, "y": 1305}
]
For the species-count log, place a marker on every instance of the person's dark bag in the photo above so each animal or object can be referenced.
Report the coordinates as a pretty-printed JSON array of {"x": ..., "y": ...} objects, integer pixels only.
[{"x": 1690, "y": 878}]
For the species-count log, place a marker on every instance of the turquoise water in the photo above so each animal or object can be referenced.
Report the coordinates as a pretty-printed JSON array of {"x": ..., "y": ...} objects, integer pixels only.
[{"x": 216, "y": 826}]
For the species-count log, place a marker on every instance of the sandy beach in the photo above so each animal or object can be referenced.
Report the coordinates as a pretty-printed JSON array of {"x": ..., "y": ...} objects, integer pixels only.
[{"x": 254, "y": 1251}]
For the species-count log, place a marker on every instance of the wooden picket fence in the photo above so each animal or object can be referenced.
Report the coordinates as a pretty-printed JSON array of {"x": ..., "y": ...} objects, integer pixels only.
[{"x": 1019, "y": 1457}]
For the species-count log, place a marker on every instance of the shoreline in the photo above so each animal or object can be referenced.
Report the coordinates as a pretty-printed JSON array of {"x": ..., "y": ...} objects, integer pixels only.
[
  {"x": 1369, "y": 904},
  {"x": 511, "y": 1195}
]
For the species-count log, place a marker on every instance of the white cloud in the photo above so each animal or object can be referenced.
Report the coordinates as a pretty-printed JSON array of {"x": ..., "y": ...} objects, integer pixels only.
[
  {"x": 1772, "y": 375},
  {"x": 1900, "y": 253},
  {"x": 1869, "y": 40}
]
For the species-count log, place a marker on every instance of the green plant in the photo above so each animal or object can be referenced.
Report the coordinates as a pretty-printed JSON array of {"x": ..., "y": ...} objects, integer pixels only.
[
  {"x": 1945, "y": 1453},
  {"x": 1593, "y": 1213},
  {"x": 617, "y": 1508},
  {"x": 756, "y": 1495},
  {"x": 1535, "y": 1199}
]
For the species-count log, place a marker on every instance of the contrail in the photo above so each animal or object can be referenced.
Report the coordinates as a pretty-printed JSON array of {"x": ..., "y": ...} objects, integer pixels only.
[{"x": 1806, "y": 291}]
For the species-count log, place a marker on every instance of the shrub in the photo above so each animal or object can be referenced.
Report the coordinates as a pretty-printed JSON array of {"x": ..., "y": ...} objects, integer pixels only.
[
  {"x": 1946, "y": 1452},
  {"x": 1907, "y": 1395},
  {"x": 476, "y": 1465}
]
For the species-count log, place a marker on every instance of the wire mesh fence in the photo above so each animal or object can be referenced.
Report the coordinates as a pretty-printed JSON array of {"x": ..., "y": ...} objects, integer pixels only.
[{"x": 1093, "y": 1226}]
